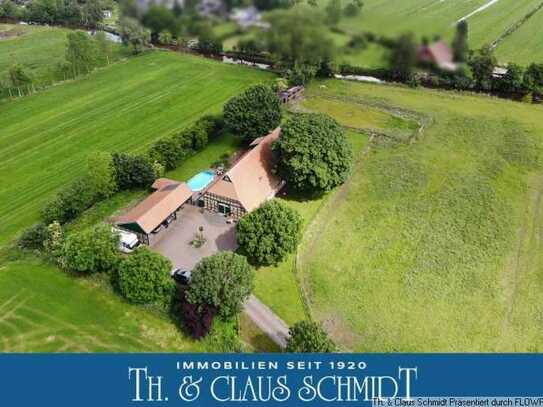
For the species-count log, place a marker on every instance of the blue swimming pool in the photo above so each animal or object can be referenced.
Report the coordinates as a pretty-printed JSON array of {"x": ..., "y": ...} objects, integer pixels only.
[{"x": 200, "y": 180}]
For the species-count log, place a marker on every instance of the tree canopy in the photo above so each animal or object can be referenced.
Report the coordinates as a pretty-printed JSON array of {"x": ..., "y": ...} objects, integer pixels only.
[
  {"x": 254, "y": 113},
  {"x": 482, "y": 64},
  {"x": 403, "y": 58},
  {"x": 460, "y": 43},
  {"x": 144, "y": 277},
  {"x": 309, "y": 337},
  {"x": 92, "y": 250},
  {"x": 224, "y": 280},
  {"x": 268, "y": 234},
  {"x": 298, "y": 35},
  {"x": 314, "y": 155}
]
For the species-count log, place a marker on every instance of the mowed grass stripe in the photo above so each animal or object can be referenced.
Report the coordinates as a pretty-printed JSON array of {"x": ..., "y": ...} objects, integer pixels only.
[{"x": 124, "y": 107}]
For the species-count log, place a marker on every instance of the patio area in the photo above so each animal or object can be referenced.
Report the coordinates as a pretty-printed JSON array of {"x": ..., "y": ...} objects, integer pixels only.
[{"x": 175, "y": 243}]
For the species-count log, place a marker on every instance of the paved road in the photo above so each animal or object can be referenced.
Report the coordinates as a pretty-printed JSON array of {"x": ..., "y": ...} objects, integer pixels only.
[{"x": 273, "y": 326}]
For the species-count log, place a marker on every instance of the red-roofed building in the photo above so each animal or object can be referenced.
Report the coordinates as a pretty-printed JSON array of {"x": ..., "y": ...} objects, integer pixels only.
[{"x": 439, "y": 54}]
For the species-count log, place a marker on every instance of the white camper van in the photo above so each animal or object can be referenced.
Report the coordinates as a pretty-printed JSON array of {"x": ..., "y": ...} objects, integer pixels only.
[{"x": 128, "y": 241}]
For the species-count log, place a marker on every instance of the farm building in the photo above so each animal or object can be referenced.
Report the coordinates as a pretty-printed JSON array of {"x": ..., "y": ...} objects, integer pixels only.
[
  {"x": 249, "y": 182},
  {"x": 156, "y": 211},
  {"x": 439, "y": 54},
  {"x": 294, "y": 93}
]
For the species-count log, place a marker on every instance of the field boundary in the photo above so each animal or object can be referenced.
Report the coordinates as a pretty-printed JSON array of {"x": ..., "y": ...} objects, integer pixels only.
[{"x": 515, "y": 27}]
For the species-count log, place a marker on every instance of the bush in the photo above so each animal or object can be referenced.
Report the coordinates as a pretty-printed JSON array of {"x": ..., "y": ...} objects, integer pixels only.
[
  {"x": 314, "y": 155},
  {"x": 309, "y": 337},
  {"x": 69, "y": 203},
  {"x": 198, "y": 319},
  {"x": 34, "y": 237},
  {"x": 144, "y": 277},
  {"x": 268, "y": 234},
  {"x": 254, "y": 113},
  {"x": 92, "y": 250},
  {"x": 98, "y": 183},
  {"x": 133, "y": 171},
  {"x": 224, "y": 280},
  {"x": 197, "y": 136},
  {"x": 167, "y": 152}
]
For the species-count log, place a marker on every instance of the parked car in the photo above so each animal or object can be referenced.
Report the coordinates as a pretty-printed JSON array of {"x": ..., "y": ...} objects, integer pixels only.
[
  {"x": 180, "y": 276},
  {"x": 128, "y": 241},
  {"x": 169, "y": 220}
]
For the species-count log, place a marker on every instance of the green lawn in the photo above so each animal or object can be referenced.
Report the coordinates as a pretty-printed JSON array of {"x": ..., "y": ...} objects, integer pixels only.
[
  {"x": 277, "y": 285},
  {"x": 45, "y": 138},
  {"x": 435, "y": 245},
  {"x": 45, "y": 310}
]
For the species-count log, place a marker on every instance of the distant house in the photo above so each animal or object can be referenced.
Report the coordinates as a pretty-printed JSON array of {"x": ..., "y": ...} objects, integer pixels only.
[
  {"x": 439, "y": 54},
  {"x": 249, "y": 183},
  {"x": 156, "y": 211},
  {"x": 248, "y": 17},
  {"x": 209, "y": 8},
  {"x": 294, "y": 93},
  {"x": 107, "y": 13}
]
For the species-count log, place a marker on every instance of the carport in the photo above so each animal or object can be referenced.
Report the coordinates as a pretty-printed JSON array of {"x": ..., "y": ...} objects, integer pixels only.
[{"x": 148, "y": 218}]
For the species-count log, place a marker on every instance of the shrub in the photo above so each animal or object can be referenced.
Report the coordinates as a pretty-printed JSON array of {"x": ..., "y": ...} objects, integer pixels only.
[
  {"x": 98, "y": 183},
  {"x": 69, "y": 202},
  {"x": 92, "y": 250},
  {"x": 309, "y": 337},
  {"x": 314, "y": 155},
  {"x": 254, "y": 113},
  {"x": 269, "y": 233},
  {"x": 224, "y": 280},
  {"x": 54, "y": 242},
  {"x": 167, "y": 152},
  {"x": 197, "y": 135},
  {"x": 144, "y": 277},
  {"x": 34, "y": 237},
  {"x": 198, "y": 319},
  {"x": 133, "y": 171}
]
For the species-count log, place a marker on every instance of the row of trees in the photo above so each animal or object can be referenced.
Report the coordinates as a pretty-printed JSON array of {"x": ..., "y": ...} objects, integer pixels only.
[{"x": 80, "y": 13}]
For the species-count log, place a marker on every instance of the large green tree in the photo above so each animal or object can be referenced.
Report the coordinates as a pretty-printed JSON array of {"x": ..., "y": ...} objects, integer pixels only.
[
  {"x": 224, "y": 280},
  {"x": 268, "y": 234},
  {"x": 91, "y": 250},
  {"x": 144, "y": 277},
  {"x": 81, "y": 52},
  {"x": 313, "y": 153},
  {"x": 403, "y": 58},
  {"x": 460, "y": 43},
  {"x": 533, "y": 78},
  {"x": 298, "y": 35},
  {"x": 309, "y": 337},
  {"x": 254, "y": 113},
  {"x": 133, "y": 34},
  {"x": 482, "y": 64}
]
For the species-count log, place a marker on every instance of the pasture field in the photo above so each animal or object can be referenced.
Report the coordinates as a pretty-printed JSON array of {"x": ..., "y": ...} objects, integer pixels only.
[
  {"x": 46, "y": 137},
  {"x": 523, "y": 44},
  {"x": 38, "y": 49},
  {"x": 433, "y": 245},
  {"x": 44, "y": 310},
  {"x": 438, "y": 18}
]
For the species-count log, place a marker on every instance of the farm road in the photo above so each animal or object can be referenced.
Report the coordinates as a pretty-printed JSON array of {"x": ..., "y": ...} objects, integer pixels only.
[{"x": 273, "y": 326}]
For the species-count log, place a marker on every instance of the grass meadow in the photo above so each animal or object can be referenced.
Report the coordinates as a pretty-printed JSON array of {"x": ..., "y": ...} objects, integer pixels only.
[
  {"x": 433, "y": 245},
  {"x": 45, "y": 138},
  {"x": 37, "y": 49},
  {"x": 438, "y": 18}
]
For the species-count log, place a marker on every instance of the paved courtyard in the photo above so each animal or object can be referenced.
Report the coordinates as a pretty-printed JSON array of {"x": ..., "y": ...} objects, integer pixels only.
[{"x": 175, "y": 242}]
